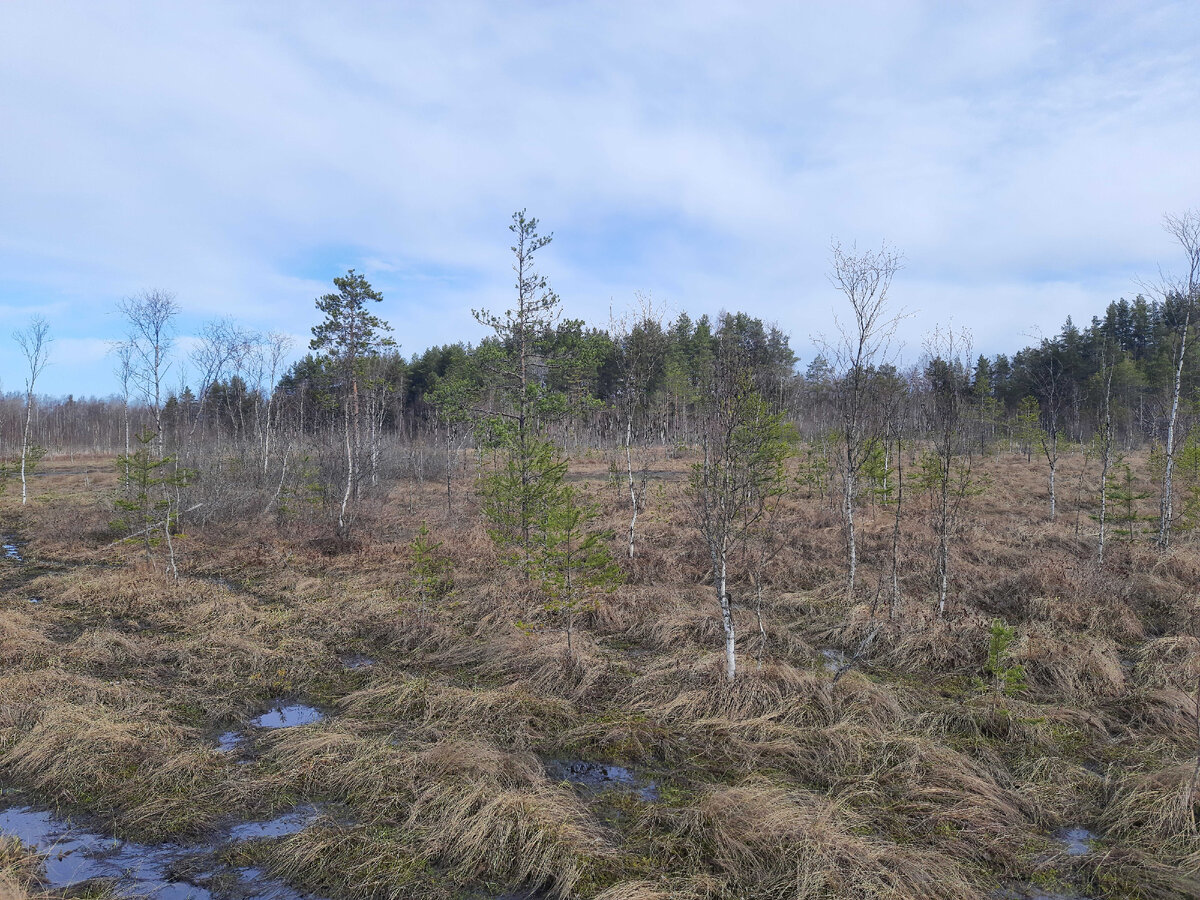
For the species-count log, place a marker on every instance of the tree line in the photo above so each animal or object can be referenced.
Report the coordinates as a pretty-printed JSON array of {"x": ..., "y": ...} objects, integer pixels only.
[{"x": 238, "y": 434}]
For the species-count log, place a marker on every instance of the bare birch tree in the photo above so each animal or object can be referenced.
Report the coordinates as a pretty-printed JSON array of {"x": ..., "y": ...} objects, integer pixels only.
[
  {"x": 863, "y": 344},
  {"x": 150, "y": 319},
  {"x": 1185, "y": 229},
  {"x": 1106, "y": 442},
  {"x": 738, "y": 480},
  {"x": 1051, "y": 386},
  {"x": 946, "y": 468},
  {"x": 34, "y": 341},
  {"x": 641, "y": 343}
]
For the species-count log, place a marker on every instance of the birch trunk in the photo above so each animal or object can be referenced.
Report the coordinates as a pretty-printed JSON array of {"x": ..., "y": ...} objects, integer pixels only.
[
  {"x": 727, "y": 621},
  {"x": 1164, "y": 525}
]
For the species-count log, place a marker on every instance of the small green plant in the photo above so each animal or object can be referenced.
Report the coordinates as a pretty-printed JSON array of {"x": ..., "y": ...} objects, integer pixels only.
[
  {"x": 813, "y": 471},
  {"x": 1007, "y": 679},
  {"x": 1125, "y": 499},
  {"x": 430, "y": 577},
  {"x": 877, "y": 472},
  {"x": 146, "y": 496},
  {"x": 1187, "y": 465},
  {"x": 574, "y": 563}
]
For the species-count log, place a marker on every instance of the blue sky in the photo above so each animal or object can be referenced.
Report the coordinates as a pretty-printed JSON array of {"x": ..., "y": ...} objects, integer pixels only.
[{"x": 1020, "y": 155}]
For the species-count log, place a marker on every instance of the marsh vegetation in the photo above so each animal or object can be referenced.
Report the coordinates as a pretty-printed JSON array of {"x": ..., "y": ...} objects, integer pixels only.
[{"x": 626, "y": 618}]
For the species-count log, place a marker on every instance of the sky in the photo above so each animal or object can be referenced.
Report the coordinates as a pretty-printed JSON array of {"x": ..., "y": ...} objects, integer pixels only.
[{"x": 240, "y": 155}]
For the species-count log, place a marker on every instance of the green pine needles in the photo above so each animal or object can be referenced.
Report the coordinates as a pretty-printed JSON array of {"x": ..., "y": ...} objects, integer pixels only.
[
  {"x": 1007, "y": 678},
  {"x": 145, "y": 494}
]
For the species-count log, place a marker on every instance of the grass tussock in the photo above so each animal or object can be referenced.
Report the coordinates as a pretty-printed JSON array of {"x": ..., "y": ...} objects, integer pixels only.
[
  {"x": 419, "y": 708},
  {"x": 775, "y": 841},
  {"x": 916, "y": 773},
  {"x": 540, "y": 836}
]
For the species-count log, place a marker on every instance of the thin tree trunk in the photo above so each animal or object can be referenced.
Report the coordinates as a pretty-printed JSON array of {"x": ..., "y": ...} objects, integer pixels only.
[
  {"x": 727, "y": 621},
  {"x": 349, "y": 476},
  {"x": 944, "y": 539},
  {"x": 25, "y": 442},
  {"x": 851, "y": 543},
  {"x": 633, "y": 500},
  {"x": 895, "y": 606},
  {"x": 1053, "y": 498},
  {"x": 1164, "y": 525},
  {"x": 1105, "y": 460}
]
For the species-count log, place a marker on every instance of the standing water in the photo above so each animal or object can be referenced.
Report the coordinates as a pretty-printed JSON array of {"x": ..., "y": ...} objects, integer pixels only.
[
  {"x": 74, "y": 856},
  {"x": 288, "y": 716}
]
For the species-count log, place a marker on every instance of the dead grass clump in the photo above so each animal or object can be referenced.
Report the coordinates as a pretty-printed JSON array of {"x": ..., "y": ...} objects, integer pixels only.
[
  {"x": 915, "y": 787},
  {"x": 672, "y": 693},
  {"x": 26, "y": 696},
  {"x": 104, "y": 594},
  {"x": 1156, "y": 811},
  {"x": 1157, "y": 713},
  {"x": 684, "y": 622},
  {"x": 1060, "y": 792},
  {"x": 21, "y": 870},
  {"x": 329, "y": 858},
  {"x": 110, "y": 654},
  {"x": 918, "y": 642},
  {"x": 22, "y": 645},
  {"x": 1089, "y": 607},
  {"x": 541, "y": 664},
  {"x": 224, "y": 612},
  {"x": 366, "y": 772},
  {"x": 187, "y": 793},
  {"x": 995, "y": 730},
  {"x": 1126, "y": 872},
  {"x": 539, "y": 837},
  {"x": 130, "y": 767},
  {"x": 475, "y": 760},
  {"x": 632, "y": 609},
  {"x": 817, "y": 756},
  {"x": 230, "y": 673},
  {"x": 420, "y": 709},
  {"x": 774, "y": 841},
  {"x": 622, "y": 734},
  {"x": 1076, "y": 668},
  {"x": 694, "y": 887},
  {"x": 1169, "y": 662}
]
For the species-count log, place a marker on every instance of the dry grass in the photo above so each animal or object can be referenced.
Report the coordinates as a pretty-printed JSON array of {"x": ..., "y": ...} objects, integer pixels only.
[{"x": 908, "y": 777}]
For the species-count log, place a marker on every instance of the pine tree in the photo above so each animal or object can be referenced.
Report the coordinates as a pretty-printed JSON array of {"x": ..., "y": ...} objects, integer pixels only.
[
  {"x": 350, "y": 336},
  {"x": 574, "y": 563},
  {"x": 430, "y": 576},
  {"x": 145, "y": 498},
  {"x": 527, "y": 470},
  {"x": 1124, "y": 499}
]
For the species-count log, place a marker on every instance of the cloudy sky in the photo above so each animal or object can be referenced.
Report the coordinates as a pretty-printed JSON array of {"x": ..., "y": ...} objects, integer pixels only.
[{"x": 241, "y": 155}]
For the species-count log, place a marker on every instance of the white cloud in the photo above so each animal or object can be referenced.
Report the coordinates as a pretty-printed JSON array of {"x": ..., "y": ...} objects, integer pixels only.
[{"x": 242, "y": 155}]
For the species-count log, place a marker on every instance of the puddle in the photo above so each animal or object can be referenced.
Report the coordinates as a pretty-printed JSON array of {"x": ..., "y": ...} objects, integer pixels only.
[
  {"x": 35, "y": 599},
  {"x": 281, "y": 826},
  {"x": 12, "y": 550},
  {"x": 265, "y": 888},
  {"x": 230, "y": 741},
  {"x": 601, "y": 777},
  {"x": 288, "y": 716},
  {"x": 74, "y": 856},
  {"x": 1076, "y": 841},
  {"x": 355, "y": 661},
  {"x": 1033, "y": 893},
  {"x": 834, "y": 660}
]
